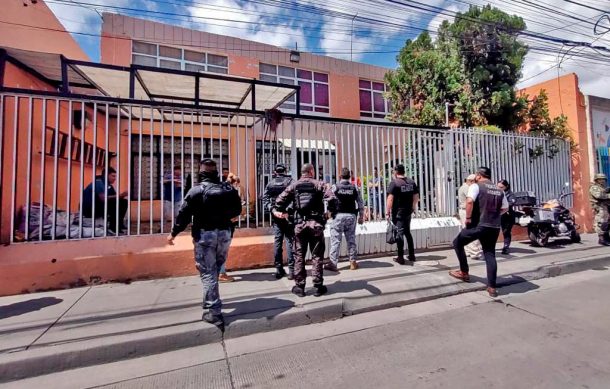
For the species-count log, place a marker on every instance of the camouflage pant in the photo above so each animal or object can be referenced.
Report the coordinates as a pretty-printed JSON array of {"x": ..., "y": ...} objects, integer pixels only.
[
  {"x": 308, "y": 234},
  {"x": 211, "y": 249},
  {"x": 344, "y": 223},
  {"x": 601, "y": 219}
]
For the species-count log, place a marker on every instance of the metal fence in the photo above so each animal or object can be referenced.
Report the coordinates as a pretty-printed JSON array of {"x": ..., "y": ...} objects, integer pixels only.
[{"x": 53, "y": 152}]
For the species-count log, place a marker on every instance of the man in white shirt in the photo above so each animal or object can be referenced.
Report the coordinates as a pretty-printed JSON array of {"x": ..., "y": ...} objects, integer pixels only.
[
  {"x": 474, "y": 249},
  {"x": 485, "y": 204}
]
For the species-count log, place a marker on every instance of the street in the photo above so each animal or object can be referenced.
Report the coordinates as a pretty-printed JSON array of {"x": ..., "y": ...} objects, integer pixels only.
[{"x": 551, "y": 333}]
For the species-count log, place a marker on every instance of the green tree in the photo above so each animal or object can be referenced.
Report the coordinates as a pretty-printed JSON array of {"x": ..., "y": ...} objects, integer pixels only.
[{"x": 474, "y": 64}]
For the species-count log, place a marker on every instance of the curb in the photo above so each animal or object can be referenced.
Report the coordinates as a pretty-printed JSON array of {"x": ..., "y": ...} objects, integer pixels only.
[{"x": 46, "y": 360}]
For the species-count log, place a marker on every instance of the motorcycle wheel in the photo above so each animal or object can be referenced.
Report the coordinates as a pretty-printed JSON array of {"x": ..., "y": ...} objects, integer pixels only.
[
  {"x": 575, "y": 237},
  {"x": 538, "y": 238}
]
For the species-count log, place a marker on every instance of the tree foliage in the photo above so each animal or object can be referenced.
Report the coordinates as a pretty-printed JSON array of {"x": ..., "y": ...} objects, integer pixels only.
[{"x": 474, "y": 64}]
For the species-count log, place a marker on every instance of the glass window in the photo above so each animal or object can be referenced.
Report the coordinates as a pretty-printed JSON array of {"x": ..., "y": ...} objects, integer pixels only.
[
  {"x": 372, "y": 102},
  {"x": 218, "y": 60},
  {"x": 144, "y": 48},
  {"x": 321, "y": 77},
  {"x": 170, "y": 52},
  {"x": 175, "y": 58},
  {"x": 268, "y": 69},
  {"x": 285, "y": 71},
  {"x": 321, "y": 95},
  {"x": 143, "y": 60},
  {"x": 194, "y": 56},
  {"x": 304, "y": 74},
  {"x": 194, "y": 68},
  {"x": 314, "y": 95},
  {"x": 306, "y": 92},
  {"x": 169, "y": 64}
]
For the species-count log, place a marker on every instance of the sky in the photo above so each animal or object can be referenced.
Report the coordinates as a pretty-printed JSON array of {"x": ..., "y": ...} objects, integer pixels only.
[{"x": 369, "y": 31}]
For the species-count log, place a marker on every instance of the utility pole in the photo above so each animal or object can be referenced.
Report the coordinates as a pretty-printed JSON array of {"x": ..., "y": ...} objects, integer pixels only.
[{"x": 351, "y": 40}]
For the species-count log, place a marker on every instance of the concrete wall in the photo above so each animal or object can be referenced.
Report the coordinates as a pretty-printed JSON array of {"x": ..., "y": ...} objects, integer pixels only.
[
  {"x": 244, "y": 57},
  {"x": 566, "y": 98},
  {"x": 32, "y": 26}
]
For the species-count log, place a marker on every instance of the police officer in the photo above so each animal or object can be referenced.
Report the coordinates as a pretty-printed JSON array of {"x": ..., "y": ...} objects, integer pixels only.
[
  {"x": 308, "y": 196},
  {"x": 403, "y": 196},
  {"x": 600, "y": 201},
  {"x": 210, "y": 205},
  {"x": 283, "y": 229},
  {"x": 345, "y": 209},
  {"x": 485, "y": 204}
]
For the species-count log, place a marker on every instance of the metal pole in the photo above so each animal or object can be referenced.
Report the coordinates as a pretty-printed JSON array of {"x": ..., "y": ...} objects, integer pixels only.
[
  {"x": 29, "y": 171},
  {"x": 43, "y": 151},
  {"x": 55, "y": 165}
]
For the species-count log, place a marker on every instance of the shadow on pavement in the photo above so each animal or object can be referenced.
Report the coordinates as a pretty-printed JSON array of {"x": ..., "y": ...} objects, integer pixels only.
[
  {"x": 350, "y": 286},
  {"x": 256, "y": 308},
  {"x": 257, "y": 276},
  {"x": 368, "y": 264},
  {"x": 430, "y": 257},
  {"x": 514, "y": 285},
  {"x": 28, "y": 306},
  {"x": 518, "y": 250}
]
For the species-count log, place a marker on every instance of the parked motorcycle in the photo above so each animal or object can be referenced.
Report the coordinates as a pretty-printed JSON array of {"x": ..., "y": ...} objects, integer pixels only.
[{"x": 551, "y": 219}]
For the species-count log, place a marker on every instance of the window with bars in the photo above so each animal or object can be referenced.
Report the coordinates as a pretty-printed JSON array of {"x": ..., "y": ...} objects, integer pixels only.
[
  {"x": 151, "y": 54},
  {"x": 372, "y": 102},
  {"x": 314, "y": 86},
  {"x": 193, "y": 153}
]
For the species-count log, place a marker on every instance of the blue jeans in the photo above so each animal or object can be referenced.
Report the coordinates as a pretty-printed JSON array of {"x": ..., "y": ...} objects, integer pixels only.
[
  {"x": 211, "y": 251},
  {"x": 283, "y": 232},
  {"x": 344, "y": 224}
]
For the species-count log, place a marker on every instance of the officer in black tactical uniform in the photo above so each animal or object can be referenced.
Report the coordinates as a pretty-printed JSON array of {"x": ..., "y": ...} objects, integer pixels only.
[
  {"x": 308, "y": 196},
  {"x": 346, "y": 210},
  {"x": 485, "y": 204},
  {"x": 210, "y": 206},
  {"x": 283, "y": 229}
]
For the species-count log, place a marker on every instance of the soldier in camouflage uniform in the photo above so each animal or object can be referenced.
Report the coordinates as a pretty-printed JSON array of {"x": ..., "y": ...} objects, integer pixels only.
[
  {"x": 600, "y": 201},
  {"x": 308, "y": 196}
]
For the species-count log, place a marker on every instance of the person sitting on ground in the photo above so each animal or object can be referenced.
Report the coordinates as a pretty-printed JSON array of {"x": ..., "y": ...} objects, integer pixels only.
[{"x": 101, "y": 195}]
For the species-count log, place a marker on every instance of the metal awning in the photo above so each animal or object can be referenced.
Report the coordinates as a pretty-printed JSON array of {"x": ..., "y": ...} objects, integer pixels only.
[{"x": 144, "y": 84}]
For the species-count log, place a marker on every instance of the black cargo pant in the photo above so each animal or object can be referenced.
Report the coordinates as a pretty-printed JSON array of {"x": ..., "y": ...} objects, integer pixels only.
[
  {"x": 310, "y": 234},
  {"x": 403, "y": 225},
  {"x": 508, "y": 220},
  {"x": 488, "y": 237}
]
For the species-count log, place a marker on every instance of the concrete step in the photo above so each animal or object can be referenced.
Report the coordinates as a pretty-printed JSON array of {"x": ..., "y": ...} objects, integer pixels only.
[{"x": 112, "y": 322}]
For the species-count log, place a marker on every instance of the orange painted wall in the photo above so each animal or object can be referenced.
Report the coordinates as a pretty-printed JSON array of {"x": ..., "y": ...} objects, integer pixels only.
[
  {"x": 565, "y": 98},
  {"x": 34, "y": 27}
]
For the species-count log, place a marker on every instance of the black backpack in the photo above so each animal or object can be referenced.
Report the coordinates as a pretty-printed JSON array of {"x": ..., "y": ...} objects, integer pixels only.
[{"x": 221, "y": 201}]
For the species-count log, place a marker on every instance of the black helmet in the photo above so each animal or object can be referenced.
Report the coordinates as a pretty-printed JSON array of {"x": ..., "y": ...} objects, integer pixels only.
[{"x": 280, "y": 168}]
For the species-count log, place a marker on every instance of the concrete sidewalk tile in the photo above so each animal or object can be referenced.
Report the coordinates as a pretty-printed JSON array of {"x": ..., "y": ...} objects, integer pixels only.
[{"x": 24, "y": 318}]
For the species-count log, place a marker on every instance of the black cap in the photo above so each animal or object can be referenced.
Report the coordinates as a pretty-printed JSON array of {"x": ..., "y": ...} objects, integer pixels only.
[
  {"x": 484, "y": 171},
  {"x": 280, "y": 168}
]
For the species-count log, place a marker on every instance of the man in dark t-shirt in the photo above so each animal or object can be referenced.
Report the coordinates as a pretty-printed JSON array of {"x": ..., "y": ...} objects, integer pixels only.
[
  {"x": 100, "y": 196},
  {"x": 485, "y": 204},
  {"x": 403, "y": 196}
]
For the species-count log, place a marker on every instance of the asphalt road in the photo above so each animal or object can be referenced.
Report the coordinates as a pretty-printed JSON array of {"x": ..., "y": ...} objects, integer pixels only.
[{"x": 554, "y": 333}]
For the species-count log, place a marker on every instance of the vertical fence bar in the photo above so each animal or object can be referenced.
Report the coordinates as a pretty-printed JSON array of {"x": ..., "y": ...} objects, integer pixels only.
[
  {"x": 43, "y": 150},
  {"x": 118, "y": 166},
  {"x": 129, "y": 173},
  {"x": 82, "y": 167},
  {"x": 173, "y": 167},
  {"x": 106, "y": 163},
  {"x": 93, "y": 174},
  {"x": 14, "y": 175},
  {"x": 151, "y": 194},
  {"x": 29, "y": 170},
  {"x": 69, "y": 180},
  {"x": 237, "y": 154},
  {"x": 369, "y": 178},
  {"x": 140, "y": 140},
  {"x": 55, "y": 169},
  {"x": 162, "y": 171}
]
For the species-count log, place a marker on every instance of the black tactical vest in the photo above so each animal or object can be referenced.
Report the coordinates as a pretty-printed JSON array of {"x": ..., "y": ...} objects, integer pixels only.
[
  {"x": 277, "y": 185},
  {"x": 489, "y": 202},
  {"x": 346, "y": 195},
  {"x": 309, "y": 200}
]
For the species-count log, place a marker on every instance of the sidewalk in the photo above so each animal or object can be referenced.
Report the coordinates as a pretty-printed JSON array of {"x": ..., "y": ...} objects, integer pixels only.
[{"x": 52, "y": 331}]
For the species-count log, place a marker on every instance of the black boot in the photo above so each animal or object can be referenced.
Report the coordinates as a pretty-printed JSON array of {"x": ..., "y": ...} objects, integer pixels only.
[
  {"x": 299, "y": 291},
  {"x": 320, "y": 290},
  {"x": 280, "y": 272}
]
